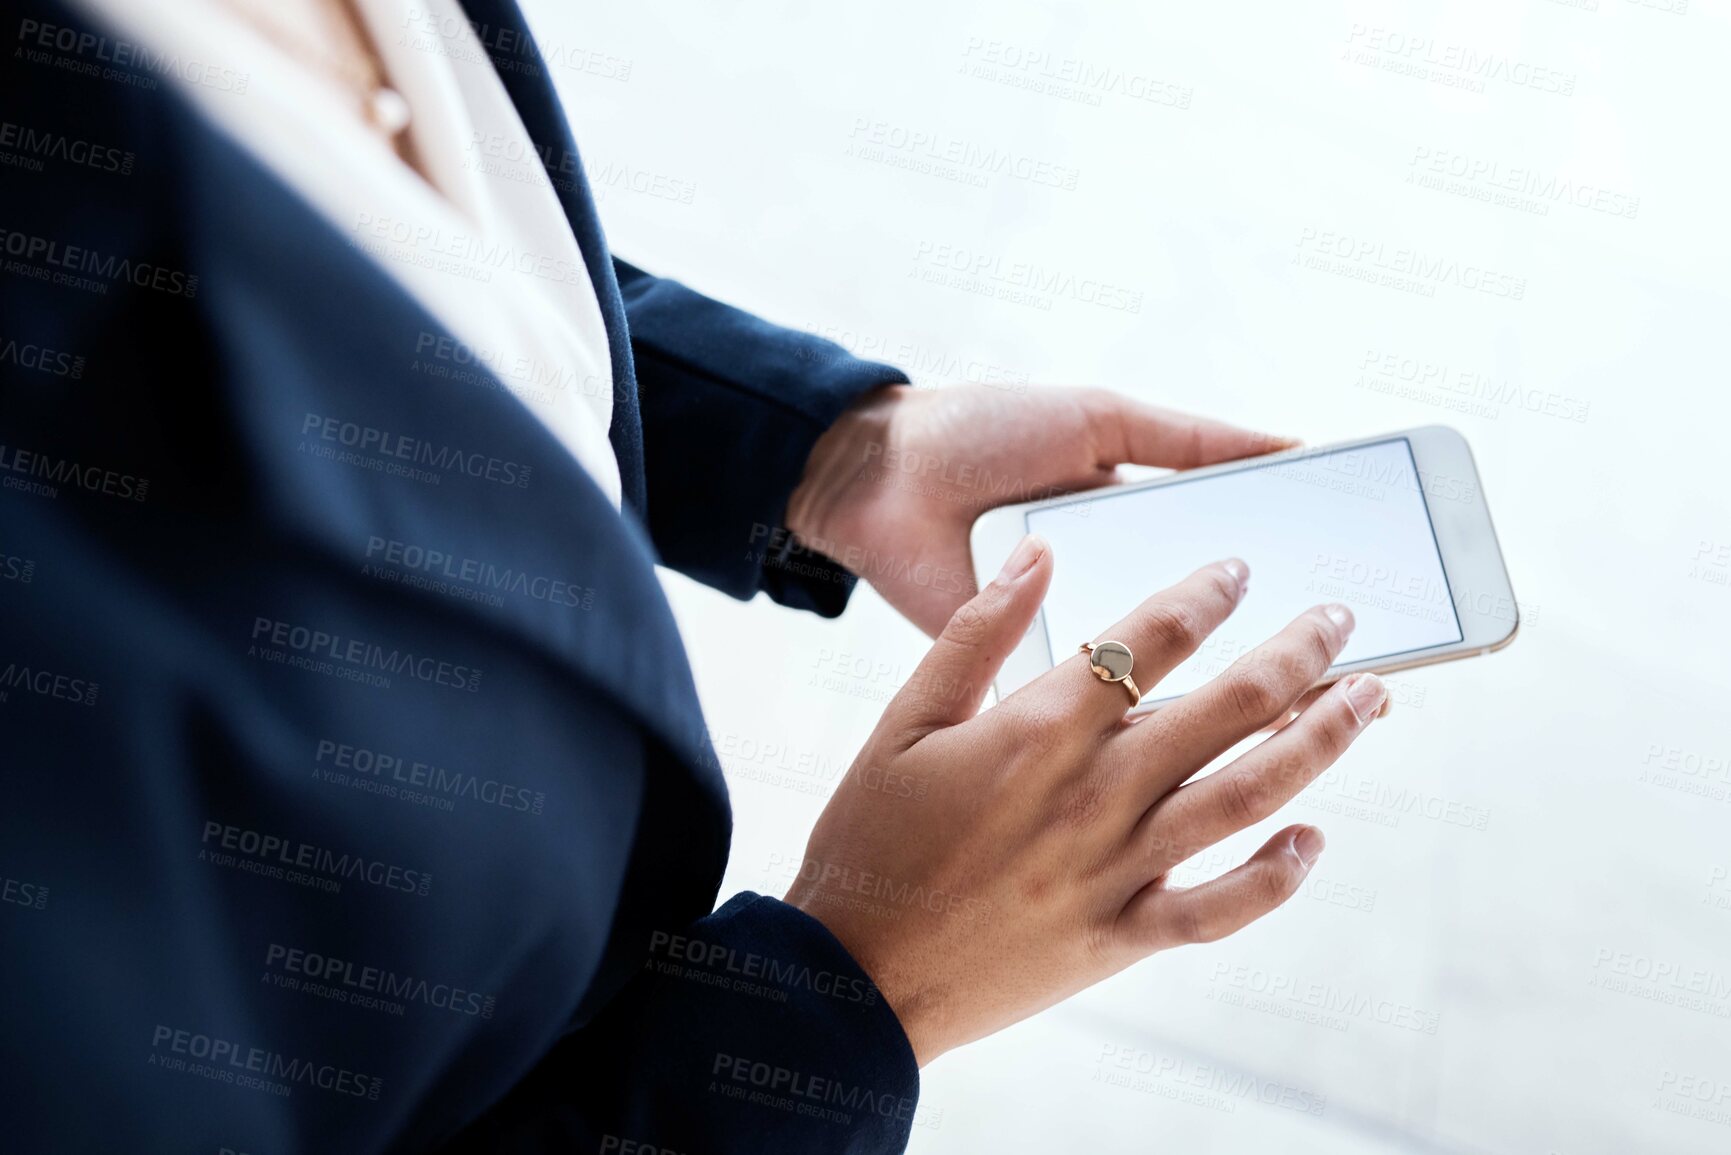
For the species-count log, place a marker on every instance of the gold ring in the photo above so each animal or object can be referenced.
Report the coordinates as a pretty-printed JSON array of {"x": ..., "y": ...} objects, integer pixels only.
[{"x": 1112, "y": 662}]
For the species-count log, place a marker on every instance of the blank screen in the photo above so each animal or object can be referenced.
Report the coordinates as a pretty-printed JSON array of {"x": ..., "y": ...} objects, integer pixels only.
[{"x": 1348, "y": 526}]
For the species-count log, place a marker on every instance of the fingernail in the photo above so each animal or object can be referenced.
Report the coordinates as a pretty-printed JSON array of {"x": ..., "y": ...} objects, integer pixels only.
[
  {"x": 1308, "y": 844},
  {"x": 1341, "y": 617},
  {"x": 1365, "y": 695},
  {"x": 1240, "y": 573},
  {"x": 1028, "y": 551}
]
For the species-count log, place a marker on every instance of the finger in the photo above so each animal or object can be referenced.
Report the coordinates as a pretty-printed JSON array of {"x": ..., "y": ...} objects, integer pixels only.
[
  {"x": 1261, "y": 781},
  {"x": 1310, "y": 696},
  {"x": 950, "y": 682},
  {"x": 1129, "y": 432},
  {"x": 1157, "y": 917},
  {"x": 1160, "y": 633},
  {"x": 1255, "y": 692},
  {"x": 1304, "y": 703}
]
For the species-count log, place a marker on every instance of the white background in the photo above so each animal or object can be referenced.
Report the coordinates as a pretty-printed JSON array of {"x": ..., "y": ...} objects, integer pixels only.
[{"x": 1505, "y": 851}]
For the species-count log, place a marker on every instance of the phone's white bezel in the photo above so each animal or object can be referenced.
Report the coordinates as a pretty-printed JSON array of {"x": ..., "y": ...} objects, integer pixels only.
[{"x": 1467, "y": 541}]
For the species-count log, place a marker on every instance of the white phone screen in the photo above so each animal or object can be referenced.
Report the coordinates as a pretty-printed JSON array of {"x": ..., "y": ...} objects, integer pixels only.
[{"x": 1349, "y": 526}]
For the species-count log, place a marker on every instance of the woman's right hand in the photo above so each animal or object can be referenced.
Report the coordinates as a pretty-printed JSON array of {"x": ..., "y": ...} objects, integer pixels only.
[{"x": 982, "y": 867}]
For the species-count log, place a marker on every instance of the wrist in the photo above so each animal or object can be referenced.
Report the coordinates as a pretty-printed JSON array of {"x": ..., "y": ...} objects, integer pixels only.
[
  {"x": 819, "y": 509},
  {"x": 915, "y": 1008}
]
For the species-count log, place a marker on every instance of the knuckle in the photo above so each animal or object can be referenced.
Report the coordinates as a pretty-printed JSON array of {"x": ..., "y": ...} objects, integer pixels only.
[
  {"x": 1294, "y": 668},
  {"x": 935, "y": 690},
  {"x": 1036, "y": 730},
  {"x": 1333, "y": 733},
  {"x": 1242, "y": 799},
  {"x": 1101, "y": 942},
  {"x": 1172, "y": 624},
  {"x": 1194, "y": 444},
  {"x": 1288, "y": 774},
  {"x": 1255, "y": 693},
  {"x": 1187, "y": 925},
  {"x": 971, "y": 624},
  {"x": 1319, "y": 643},
  {"x": 1225, "y": 586}
]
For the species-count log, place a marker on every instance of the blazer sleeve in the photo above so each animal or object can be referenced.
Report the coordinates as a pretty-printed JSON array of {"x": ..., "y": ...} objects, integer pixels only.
[
  {"x": 731, "y": 408},
  {"x": 752, "y": 1030}
]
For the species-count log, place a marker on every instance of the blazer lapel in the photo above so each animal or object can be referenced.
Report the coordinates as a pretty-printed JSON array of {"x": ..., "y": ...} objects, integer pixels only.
[
  {"x": 370, "y": 460},
  {"x": 504, "y": 34}
]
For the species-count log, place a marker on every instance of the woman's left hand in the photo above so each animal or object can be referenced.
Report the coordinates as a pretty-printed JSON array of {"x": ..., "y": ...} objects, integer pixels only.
[{"x": 892, "y": 489}]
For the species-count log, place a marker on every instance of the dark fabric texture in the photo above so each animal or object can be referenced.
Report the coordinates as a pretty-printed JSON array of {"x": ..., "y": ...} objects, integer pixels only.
[
  {"x": 354, "y": 772},
  {"x": 726, "y": 988},
  {"x": 702, "y": 368}
]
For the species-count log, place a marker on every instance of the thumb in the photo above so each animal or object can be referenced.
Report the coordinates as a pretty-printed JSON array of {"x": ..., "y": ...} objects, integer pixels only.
[
  {"x": 1129, "y": 432},
  {"x": 947, "y": 687}
]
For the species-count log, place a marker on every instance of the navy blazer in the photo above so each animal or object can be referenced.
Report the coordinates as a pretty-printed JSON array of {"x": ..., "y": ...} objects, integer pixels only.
[{"x": 357, "y": 796}]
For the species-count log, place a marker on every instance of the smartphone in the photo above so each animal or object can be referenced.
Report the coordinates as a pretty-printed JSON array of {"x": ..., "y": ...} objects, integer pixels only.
[{"x": 1395, "y": 527}]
